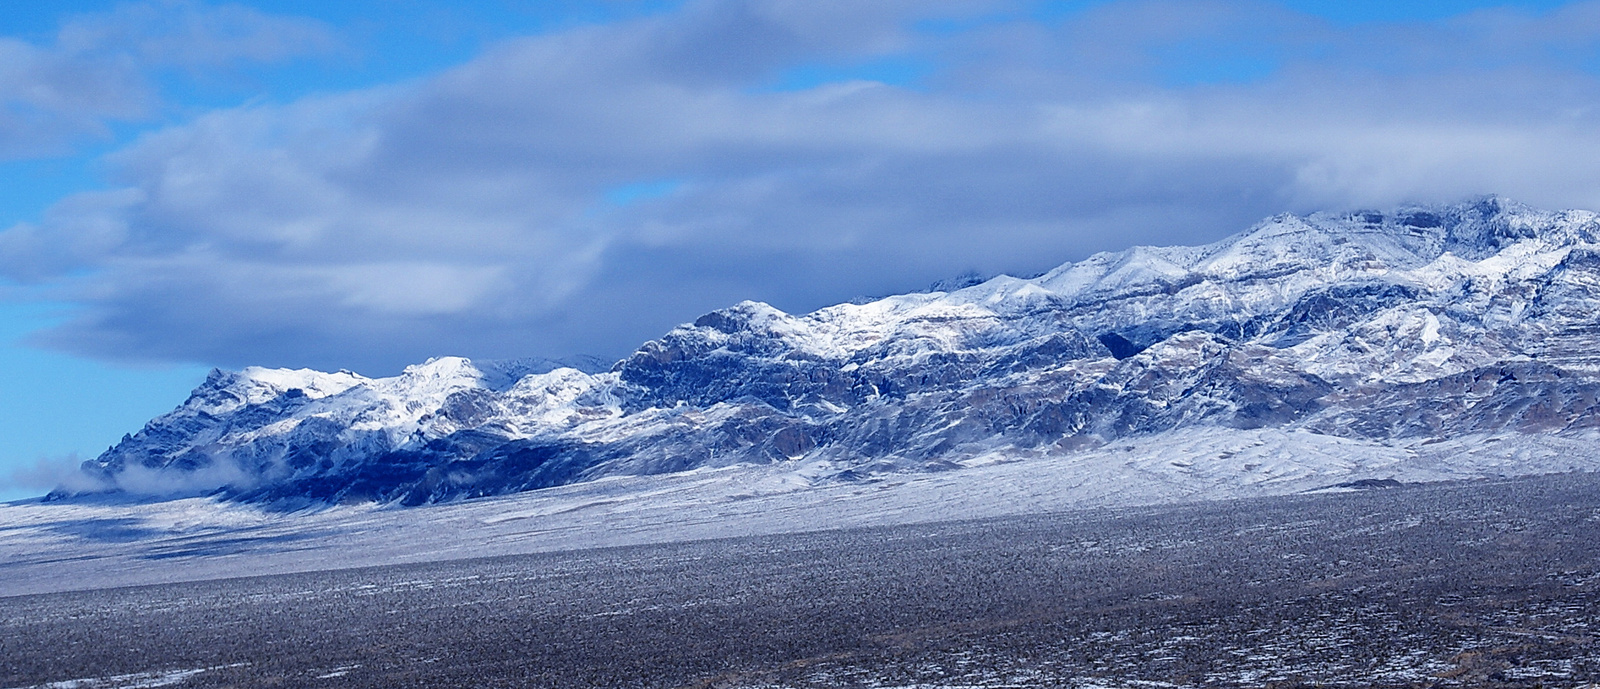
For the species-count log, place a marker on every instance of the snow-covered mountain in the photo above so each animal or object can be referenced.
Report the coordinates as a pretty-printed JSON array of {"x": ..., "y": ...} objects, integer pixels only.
[{"x": 1354, "y": 331}]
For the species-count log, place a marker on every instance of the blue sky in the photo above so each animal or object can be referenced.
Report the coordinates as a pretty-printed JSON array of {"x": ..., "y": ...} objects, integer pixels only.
[{"x": 368, "y": 183}]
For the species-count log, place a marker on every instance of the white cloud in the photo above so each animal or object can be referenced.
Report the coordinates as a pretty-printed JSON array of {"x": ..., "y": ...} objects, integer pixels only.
[
  {"x": 100, "y": 67},
  {"x": 47, "y": 474},
  {"x": 467, "y": 213},
  {"x": 191, "y": 34},
  {"x": 49, "y": 98}
]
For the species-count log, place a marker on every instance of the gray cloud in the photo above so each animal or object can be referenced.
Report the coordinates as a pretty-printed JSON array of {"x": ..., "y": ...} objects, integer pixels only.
[
  {"x": 468, "y": 213},
  {"x": 100, "y": 67}
]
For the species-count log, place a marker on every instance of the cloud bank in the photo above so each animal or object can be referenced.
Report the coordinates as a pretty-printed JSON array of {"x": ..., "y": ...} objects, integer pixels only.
[{"x": 581, "y": 191}]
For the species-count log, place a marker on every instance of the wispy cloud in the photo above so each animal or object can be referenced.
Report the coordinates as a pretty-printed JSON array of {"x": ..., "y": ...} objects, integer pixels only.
[
  {"x": 47, "y": 474},
  {"x": 65, "y": 473},
  {"x": 188, "y": 33},
  {"x": 101, "y": 67},
  {"x": 476, "y": 212}
]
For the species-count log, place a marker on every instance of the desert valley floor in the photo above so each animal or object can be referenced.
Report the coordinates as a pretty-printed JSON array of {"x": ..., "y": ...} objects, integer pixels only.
[{"x": 1488, "y": 583}]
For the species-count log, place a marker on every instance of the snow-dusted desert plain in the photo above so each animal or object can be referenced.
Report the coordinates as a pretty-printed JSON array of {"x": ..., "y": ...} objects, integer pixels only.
[
  {"x": 1488, "y": 583},
  {"x": 115, "y": 541}
]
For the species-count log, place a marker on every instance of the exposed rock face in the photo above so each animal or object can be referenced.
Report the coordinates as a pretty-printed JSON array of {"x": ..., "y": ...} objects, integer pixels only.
[{"x": 1422, "y": 322}]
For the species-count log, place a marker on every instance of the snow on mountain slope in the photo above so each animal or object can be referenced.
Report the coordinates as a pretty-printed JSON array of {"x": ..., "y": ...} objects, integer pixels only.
[{"x": 1425, "y": 323}]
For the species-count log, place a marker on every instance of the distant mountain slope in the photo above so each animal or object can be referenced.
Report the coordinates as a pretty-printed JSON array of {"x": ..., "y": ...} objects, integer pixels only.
[{"x": 1399, "y": 328}]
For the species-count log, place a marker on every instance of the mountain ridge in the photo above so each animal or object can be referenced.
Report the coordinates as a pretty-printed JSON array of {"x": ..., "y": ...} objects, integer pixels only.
[{"x": 1414, "y": 324}]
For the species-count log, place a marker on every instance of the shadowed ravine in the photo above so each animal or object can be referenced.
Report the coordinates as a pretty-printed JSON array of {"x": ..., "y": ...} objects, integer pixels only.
[{"x": 1469, "y": 584}]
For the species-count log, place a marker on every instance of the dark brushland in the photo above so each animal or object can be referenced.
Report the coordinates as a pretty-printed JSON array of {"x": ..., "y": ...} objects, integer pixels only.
[{"x": 1473, "y": 584}]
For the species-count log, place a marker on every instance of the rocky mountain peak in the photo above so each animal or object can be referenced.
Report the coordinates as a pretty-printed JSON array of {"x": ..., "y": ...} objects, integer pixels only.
[{"x": 1408, "y": 325}]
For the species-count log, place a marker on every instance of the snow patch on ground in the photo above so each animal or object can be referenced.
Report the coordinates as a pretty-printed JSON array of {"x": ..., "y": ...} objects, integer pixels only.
[{"x": 138, "y": 680}]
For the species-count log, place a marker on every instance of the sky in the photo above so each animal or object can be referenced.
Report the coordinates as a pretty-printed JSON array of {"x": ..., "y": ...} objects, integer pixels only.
[{"x": 365, "y": 184}]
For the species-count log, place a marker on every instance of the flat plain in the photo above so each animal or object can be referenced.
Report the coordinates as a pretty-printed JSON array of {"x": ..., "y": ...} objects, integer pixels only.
[{"x": 1471, "y": 584}]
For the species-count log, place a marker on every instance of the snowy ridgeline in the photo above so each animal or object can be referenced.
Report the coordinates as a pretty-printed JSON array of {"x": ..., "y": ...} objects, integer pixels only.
[{"x": 1330, "y": 348}]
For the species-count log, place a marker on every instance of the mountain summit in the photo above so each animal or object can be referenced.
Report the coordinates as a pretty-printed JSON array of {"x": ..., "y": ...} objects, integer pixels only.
[{"x": 1393, "y": 330}]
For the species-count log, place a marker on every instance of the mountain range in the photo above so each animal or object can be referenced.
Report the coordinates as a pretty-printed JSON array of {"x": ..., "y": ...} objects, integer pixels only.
[{"x": 1449, "y": 340}]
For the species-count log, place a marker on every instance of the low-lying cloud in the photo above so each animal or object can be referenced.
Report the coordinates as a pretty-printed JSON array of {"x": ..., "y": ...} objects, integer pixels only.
[
  {"x": 65, "y": 474},
  {"x": 487, "y": 211},
  {"x": 47, "y": 474}
]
